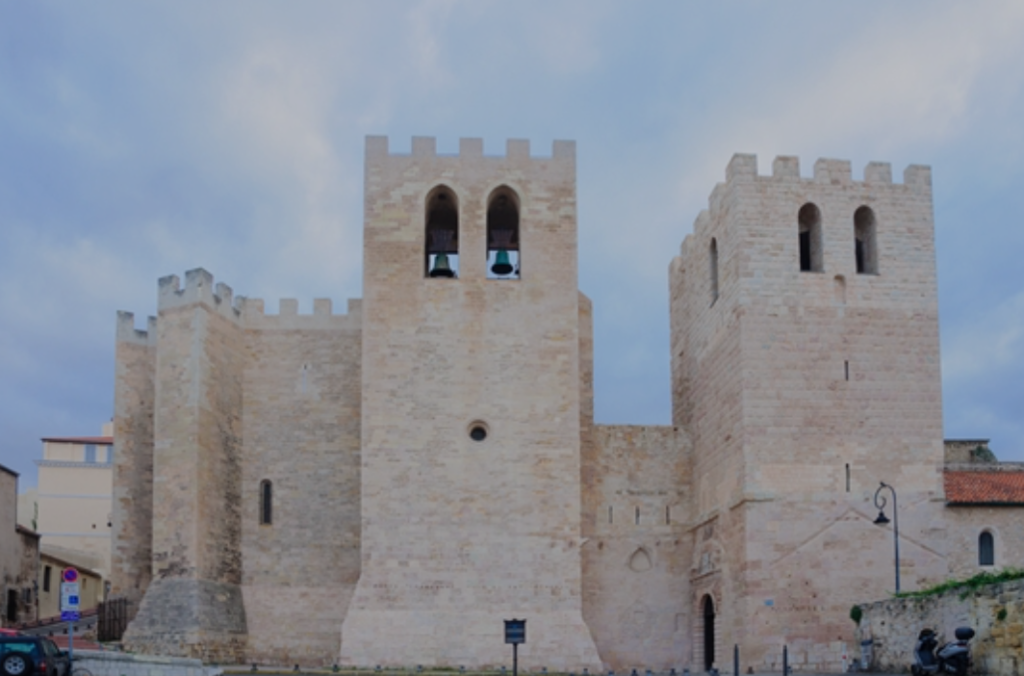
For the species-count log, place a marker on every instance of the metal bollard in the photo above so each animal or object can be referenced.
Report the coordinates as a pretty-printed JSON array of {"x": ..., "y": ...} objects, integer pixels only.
[
  {"x": 785, "y": 660},
  {"x": 736, "y": 659}
]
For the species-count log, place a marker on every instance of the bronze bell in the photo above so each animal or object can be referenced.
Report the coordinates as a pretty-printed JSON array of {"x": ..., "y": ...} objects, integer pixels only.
[
  {"x": 441, "y": 267},
  {"x": 502, "y": 265}
]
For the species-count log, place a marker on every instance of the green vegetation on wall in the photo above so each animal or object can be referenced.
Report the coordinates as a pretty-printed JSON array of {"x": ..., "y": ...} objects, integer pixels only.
[{"x": 965, "y": 587}]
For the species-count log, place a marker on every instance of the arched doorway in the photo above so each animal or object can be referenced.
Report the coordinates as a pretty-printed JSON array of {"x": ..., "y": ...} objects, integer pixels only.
[{"x": 709, "y": 632}]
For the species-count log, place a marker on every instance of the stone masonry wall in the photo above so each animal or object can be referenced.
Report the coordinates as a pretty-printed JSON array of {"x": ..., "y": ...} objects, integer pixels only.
[
  {"x": 636, "y": 554},
  {"x": 19, "y": 554},
  {"x": 134, "y": 400},
  {"x": 10, "y": 562},
  {"x": 965, "y": 526},
  {"x": 28, "y": 573},
  {"x": 301, "y": 428},
  {"x": 458, "y": 534},
  {"x": 995, "y": 612}
]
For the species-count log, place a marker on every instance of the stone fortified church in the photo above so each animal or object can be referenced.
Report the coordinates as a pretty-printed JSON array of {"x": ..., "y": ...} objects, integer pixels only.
[{"x": 385, "y": 486}]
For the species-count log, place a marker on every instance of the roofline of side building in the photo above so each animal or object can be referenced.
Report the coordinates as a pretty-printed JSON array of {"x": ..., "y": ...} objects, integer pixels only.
[
  {"x": 80, "y": 440},
  {"x": 27, "y": 531}
]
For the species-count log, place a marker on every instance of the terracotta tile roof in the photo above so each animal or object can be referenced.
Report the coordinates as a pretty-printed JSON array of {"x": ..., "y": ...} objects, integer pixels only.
[
  {"x": 984, "y": 487},
  {"x": 80, "y": 440}
]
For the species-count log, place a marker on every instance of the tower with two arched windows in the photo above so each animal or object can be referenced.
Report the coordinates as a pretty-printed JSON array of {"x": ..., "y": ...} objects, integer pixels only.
[
  {"x": 471, "y": 328},
  {"x": 786, "y": 300}
]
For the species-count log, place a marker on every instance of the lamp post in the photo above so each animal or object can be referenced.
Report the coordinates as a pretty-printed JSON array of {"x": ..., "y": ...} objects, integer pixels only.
[{"x": 880, "y": 503}]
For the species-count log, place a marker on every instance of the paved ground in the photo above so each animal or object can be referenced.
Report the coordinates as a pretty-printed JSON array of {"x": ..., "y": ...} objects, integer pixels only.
[{"x": 238, "y": 670}]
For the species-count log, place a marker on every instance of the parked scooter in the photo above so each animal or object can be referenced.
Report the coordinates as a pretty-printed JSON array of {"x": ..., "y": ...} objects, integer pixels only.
[{"x": 952, "y": 658}]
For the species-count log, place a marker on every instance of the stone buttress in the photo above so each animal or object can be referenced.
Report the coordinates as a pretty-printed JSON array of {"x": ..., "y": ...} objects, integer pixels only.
[{"x": 193, "y": 605}]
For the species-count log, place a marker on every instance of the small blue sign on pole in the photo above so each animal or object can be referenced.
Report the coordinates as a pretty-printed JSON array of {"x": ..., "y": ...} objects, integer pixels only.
[
  {"x": 515, "y": 631},
  {"x": 70, "y": 616}
]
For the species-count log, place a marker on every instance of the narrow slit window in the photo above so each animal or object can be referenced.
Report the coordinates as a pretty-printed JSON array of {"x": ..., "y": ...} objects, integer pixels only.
[
  {"x": 442, "y": 234},
  {"x": 503, "y": 250},
  {"x": 986, "y": 549},
  {"x": 609, "y": 514},
  {"x": 266, "y": 502},
  {"x": 846, "y": 369},
  {"x": 864, "y": 244},
  {"x": 847, "y": 477},
  {"x": 809, "y": 220},
  {"x": 668, "y": 515},
  {"x": 638, "y": 516},
  {"x": 713, "y": 265}
]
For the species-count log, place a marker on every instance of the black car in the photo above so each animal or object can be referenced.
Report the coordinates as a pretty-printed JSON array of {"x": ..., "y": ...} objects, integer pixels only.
[{"x": 32, "y": 656}]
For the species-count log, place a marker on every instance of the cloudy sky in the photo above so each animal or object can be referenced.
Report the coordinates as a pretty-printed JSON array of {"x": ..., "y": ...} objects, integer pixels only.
[{"x": 138, "y": 140}]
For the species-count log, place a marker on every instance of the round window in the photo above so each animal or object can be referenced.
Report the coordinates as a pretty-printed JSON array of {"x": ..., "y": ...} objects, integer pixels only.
[{"x": 478, "y": 430}]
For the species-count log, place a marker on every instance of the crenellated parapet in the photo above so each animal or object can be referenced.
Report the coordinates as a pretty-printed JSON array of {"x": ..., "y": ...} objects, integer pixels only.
[
  {"x": 742, "y": 169},
  {"x": 199, "y": 288},
  {"x": 469, "y": 148},
  {"x": 250, "y": 313},
  {"x": 127, "y": 333},
  {"x": 254, "y": 315}
]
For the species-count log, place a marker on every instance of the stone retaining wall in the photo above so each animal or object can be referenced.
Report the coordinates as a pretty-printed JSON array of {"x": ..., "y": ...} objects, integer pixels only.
[
  {"x": 995, "y": 612},
  {"x": 103, "y": 663}
]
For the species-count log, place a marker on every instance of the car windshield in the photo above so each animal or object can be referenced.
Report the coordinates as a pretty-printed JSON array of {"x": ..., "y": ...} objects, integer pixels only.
[{"x": 30, "y": 647}]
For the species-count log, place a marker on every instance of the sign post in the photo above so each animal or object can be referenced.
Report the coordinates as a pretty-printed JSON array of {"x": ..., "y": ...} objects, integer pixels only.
[
  {"x": 515, "y": 633},
  {"x": 69, "y": 605}
]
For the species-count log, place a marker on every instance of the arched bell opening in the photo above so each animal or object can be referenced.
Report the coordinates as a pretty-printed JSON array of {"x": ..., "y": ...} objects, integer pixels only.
[
  {"x": 809, "y": 220},
  {"x": 441, "y": 258},
  {"x": 503, "y": 259},
  {"x": 865, "y": 247}
]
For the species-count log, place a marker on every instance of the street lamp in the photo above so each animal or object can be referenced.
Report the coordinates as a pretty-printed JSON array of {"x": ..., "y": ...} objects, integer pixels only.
[{"x": 880, "y": 502}]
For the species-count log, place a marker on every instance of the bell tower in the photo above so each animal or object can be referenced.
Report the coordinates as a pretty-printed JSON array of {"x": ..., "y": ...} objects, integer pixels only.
[{"x": 470, "y": 410}]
